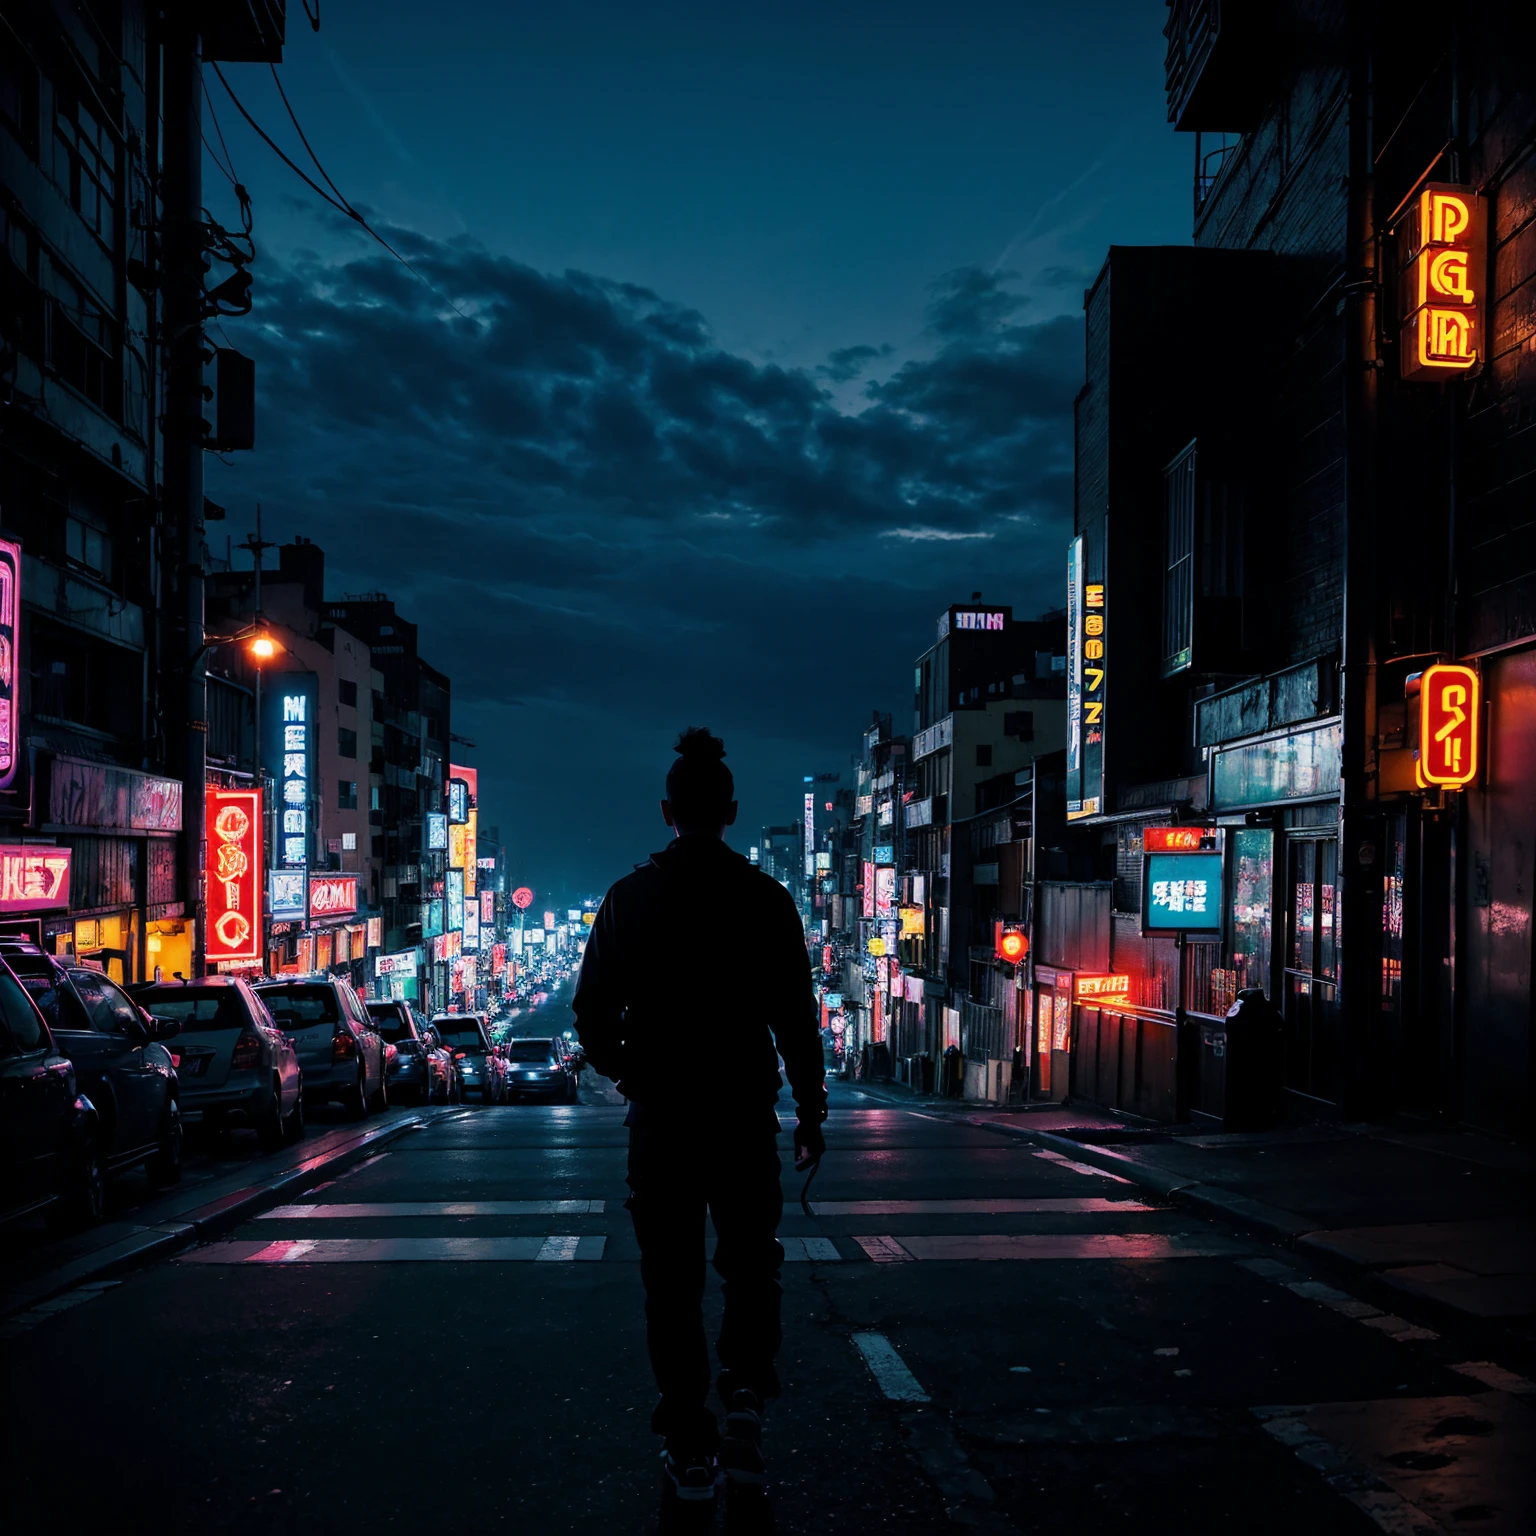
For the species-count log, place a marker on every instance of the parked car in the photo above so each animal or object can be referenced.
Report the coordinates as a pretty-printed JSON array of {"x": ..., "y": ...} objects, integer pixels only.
[
  {"x": 340, "y": 1052},
  {"x": 420, "y": 1071},
  {"x": 121, "y": 1063},
  {"x": 448, "y": 1066},
  {"x": 50, "y": 1141},
  {"x": 481, "y": 1070},
  {"x": 232, "y": 1060},
  {"x": 541, "y": 1069}
]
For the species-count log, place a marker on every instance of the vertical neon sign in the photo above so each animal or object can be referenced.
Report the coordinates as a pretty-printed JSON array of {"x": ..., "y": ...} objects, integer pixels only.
[{"x": 10, "y": 646}]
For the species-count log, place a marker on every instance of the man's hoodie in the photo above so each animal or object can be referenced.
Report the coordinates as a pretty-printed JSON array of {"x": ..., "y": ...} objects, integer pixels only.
[{"x": 695, "y": 980}]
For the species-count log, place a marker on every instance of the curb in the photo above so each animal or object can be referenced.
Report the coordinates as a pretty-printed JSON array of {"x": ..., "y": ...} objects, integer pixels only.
[{"x": 144, "y": 1244}]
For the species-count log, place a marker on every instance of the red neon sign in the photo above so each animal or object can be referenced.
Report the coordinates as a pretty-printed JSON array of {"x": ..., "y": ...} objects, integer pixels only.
[
  {"x": 1450, "y": 703},
  {"x": 1177, "y": 839},
  {"x": 1012, "y": 944},
  {"x": 1115, "y": 988},
  {"x": 332, "y": 895},
  {"x": 522, "y": 898},
  {"x": 233, "y": 830},
  {"x": 34, "y": 879},
  {"x": 10, "y": 645}
]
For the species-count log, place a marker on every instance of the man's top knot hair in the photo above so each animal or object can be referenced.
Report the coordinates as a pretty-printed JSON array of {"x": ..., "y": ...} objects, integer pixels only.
[
  {"x": 700, "y": 788},
  {"x": 699, "y": 744}
]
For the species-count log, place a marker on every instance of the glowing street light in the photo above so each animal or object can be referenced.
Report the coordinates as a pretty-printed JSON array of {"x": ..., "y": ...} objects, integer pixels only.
[{"x": 263, "y": 647}]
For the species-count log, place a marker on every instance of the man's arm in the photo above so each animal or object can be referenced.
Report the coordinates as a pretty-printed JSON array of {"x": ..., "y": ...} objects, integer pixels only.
[
  {"x": 796, "y": 1026},
  {"x": 597, "y": 1004}
]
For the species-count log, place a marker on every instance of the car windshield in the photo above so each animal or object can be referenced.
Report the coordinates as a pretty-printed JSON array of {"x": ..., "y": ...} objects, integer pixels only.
[
  {"x": 301, "y": 1006},
  {"x": 196, "y": 1008},
  {"x": 532, "y": 1050},
  {"x": 388, "y": 1024},
  {"x": 466, "y": 1034}
]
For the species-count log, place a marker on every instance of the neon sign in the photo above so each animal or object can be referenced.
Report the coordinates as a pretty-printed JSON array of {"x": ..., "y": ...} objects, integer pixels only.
[
  {"x": 1450, "y": 699},
  {"x": 1440, "y": 287},
  {"x": 1112, "y": 988},
  {"x": 10, "y": 645},
  {"x": 522, "y": 898},
  {"x": 34, "y": 879},
  {"x": 332, "y": 895},
  {"x": 233, "y": 830},
  {"x": 1177, "y": 839}
]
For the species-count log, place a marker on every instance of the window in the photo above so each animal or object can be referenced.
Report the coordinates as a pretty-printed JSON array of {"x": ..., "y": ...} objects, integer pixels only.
[
  {"x": 346, "y": 693},
  {"x": 375, "y": 801},
  {"x": 1179, "y": 566},
  {"x": 111, "y": 1013},
  {"x": 88, "y": 546},
  {"x": 346, "y": 741},
  {"x": 346, "y": 796},
  {"x": 18, "y": 99},
  {"x": 21, "y": 1027},
  {"x": 85, "y": 164},
  {"x": 983, "y": 755}
]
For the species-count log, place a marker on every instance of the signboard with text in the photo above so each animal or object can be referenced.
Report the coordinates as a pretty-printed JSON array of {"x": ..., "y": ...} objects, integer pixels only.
[
  {"x": 10, "y": 660},
  {"x": 234, "y": 881},
  {"x": 1450, "y": 721},
  {"x": 34, "y": 878},
  {"x": 1181, "y": 893},
  {"x": 1442, "y": 267},
  {"x": 332, "y": 895},
  {"x": 288, "y": 755}
]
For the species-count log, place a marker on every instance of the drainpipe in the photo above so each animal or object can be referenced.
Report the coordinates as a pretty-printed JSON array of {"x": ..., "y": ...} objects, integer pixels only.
[{"x": 1361, "y": 835}]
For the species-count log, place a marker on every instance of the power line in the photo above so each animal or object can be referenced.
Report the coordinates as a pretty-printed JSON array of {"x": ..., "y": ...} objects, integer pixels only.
[
  {"x": 229, "y": 159},
  {"x": 339, "y": 203},
  {"x": 292, "y": 118}
]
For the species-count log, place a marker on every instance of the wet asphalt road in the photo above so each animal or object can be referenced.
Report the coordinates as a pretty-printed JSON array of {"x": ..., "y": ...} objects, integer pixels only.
[{"x": 1001, "y": 1342}]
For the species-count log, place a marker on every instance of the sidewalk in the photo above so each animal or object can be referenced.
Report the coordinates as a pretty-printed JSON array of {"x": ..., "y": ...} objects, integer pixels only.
[
  {"x": 187, "y": 1214},
  {"x": 1445, "y": 1216}
]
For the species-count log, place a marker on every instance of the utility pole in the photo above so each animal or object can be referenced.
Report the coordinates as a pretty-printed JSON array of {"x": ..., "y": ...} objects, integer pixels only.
[{"x": 182, "y": 319}]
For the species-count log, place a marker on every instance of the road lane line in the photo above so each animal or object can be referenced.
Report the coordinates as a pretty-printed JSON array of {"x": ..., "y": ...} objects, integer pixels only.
[
  {"x": 1087, "y": 1168},
  {"x": 397, "y": 1250},
  {"x": 889, "y": 1369},
  {"x": 1065, "y": 1245},
  {"x": 884, "y": 1250},
  {"x": 557, "y": 1250}
]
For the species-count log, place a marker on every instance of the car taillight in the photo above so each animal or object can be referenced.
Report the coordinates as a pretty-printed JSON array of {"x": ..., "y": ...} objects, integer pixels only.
[
  {"x": 343, "y": 1047},
  {"x": 458, "y": 1055},
  {"x": 247, "y": 1051},
  {"x": 390, "y": 1053}
]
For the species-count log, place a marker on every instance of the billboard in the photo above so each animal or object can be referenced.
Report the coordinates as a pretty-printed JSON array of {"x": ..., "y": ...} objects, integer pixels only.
[
  {"x": 885, "y": 891},
  {"x": 487, "y": 909},
  {"x": 285, "y": 893},
  {"x": 401, "y": 963},
  {"x": 471, "y": 925},
  {"x": 1181, "y": 893},
  {"x": 34, "y": 878},
  {"x": 233, "y": 829},
  {"x": 437, "y": 832},
  {"x": 458, "y": 798},
  {"x": 332, "y": 895},
  {"x": 453, "y": 885}
]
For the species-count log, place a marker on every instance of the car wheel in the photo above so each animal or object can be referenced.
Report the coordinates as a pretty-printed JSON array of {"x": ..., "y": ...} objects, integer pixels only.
[
  {"x": 83, "y": 1192},
  {"x": 488, "y": 1093},
  {"x": 355, "y": 1099},
  {"x": 293, "y": 1126},
  {"x": 269, "y": 1129},
  {"x": 165, "y": 1166},
  {"x": 380, "y": 1101}
]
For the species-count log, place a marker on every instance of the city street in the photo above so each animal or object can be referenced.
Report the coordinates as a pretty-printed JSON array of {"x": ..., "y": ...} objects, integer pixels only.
[{"x": 978, "y": 1333}]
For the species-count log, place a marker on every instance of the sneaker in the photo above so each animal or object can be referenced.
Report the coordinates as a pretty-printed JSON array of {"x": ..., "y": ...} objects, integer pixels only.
[
  {"x": 741, "y": 1452},
  {"x": 690, "y": 1478}
]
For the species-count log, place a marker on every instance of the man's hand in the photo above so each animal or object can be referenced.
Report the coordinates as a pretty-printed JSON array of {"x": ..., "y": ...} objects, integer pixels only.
[{"x": 810, "y": 1144}]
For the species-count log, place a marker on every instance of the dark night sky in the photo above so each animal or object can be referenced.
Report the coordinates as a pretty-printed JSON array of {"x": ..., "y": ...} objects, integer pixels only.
[{"x": 773, "y": 329}]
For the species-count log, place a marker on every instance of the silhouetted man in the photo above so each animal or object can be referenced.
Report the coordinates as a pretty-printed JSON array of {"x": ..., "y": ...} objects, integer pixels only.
[{"x": 695, "y": 980}]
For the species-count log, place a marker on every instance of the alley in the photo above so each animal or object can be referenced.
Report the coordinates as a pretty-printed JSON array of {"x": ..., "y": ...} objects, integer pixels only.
[{"x": 978, "y": 1332}]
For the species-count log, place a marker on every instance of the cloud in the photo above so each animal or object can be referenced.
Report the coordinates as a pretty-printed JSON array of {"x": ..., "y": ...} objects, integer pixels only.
[{"x": 606, "y": 522}]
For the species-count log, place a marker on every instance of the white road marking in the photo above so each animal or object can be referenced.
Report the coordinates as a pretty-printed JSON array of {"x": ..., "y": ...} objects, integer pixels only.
[
  {"x": 1063, "y": 1205},
  {"x": 1393, "y": 1513},
  {"x": 1055, "y": 1245},
  {"x": 884, "y": 1250},
  {"x": 435, "y": 1208},
  {"x": 815, "y": 1250},
  {"x": 399, "y": 1250},
  {"x": 25, "y": 1322},
  {"x": 1497, "y": 1377},
  {"x": 1087, "y": 1168},
  {"x": 1362, "y": 1311},
  {"x": 889, "y": 1369}
]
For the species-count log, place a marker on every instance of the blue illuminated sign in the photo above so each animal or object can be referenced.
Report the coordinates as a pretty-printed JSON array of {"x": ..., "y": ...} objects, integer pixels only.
[{"x": 1181, "y": 893}]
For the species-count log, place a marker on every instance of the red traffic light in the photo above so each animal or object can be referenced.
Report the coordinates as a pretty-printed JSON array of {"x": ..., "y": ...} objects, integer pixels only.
[{"x": 1012, "y": 944}]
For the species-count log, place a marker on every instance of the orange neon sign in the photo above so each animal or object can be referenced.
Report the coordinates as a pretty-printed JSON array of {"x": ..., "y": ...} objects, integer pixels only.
[
  {"x": 1177, "y": 839},
  {"x": 1450, "y": 708},
  {"x": 1012, "y": 944},
  {"x": 1114, "y": 988},
  {"x": 1440, "y": 292}
]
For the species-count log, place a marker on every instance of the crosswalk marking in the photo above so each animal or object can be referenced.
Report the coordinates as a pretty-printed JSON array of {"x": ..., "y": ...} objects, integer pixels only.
[
  {"x": 818, "y": 1250},
  {"x": 402, "y": 1250},
  {"x": 884, "y": 1250},
  {"x": 1088, "y": 1168},
  {"x": 391, "y": 1208},
  {"x": 1060, "y": 1205},
  {"x": 1063, "y": 1245}
]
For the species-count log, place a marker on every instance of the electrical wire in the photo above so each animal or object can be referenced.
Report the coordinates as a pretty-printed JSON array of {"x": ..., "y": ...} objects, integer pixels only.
[
  {"x": 338, "y": 203},
  {"x": 292, "y": 118}
]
